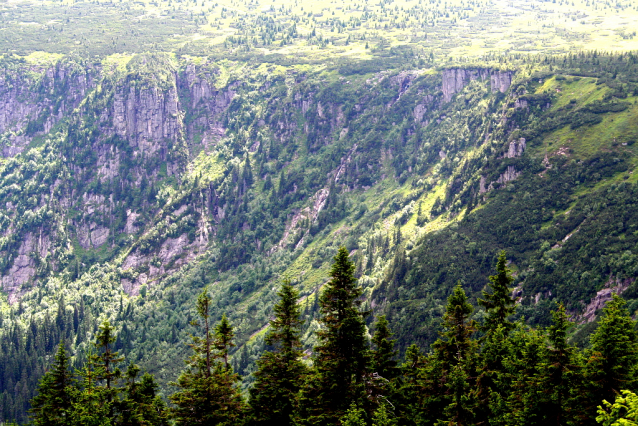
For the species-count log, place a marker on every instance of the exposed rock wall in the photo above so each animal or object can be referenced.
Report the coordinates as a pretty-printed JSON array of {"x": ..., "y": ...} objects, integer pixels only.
[
  {"x": 422, "y": 108},
  {"x": 516, "y": 148},
  {"x": 500, "y": 81},
  {"x": 207, "y": 103},
  {"x": 24, "y": 100},
  {"x": 613, "y": 286},
  {"x": 23, "y": 268},
  {"x": 455, "y": 79},
  {"x": 147, "y": 117}
]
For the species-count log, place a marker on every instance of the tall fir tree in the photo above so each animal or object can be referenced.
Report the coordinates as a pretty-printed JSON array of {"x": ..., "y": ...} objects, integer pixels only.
[
  {"x": 444, "y": 380},
  {"x": 107, "y": 359},
  {"x": 559, "y": 370},
  {"x": 384, "y": 355},
  {"x": 492, "y": 382},
  {"x": 526, "y": 401},
  {"x": 612, "y": 362},
  {"x": 51, "y": 405},
  {"x": 91, "y": 404},
  {"x": 456, "y": 352},
  {"x": 280, "y": 373},
  {"x": 384, "y": 367},
  {"x": 141, "y": 406},
  {"x": 342, "y": 356},
  {"x": 224, "y": 336},
  {"x": 408, "y": 387},
  {"x": 498, "y": 302},
  {"x": 207, "y": 392}
]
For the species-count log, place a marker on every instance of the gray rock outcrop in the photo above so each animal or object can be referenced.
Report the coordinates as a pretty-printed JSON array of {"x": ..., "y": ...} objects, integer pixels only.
[
  {"x": 516, "y": 148},
  {"x": 455, "y": 79}
]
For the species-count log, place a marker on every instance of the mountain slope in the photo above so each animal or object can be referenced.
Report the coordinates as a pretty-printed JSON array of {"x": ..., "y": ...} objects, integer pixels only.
[{"x": 130, "y": 183}]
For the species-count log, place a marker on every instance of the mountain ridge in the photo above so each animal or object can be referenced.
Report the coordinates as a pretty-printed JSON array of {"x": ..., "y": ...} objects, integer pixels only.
[{"x": 173, "y": 174}]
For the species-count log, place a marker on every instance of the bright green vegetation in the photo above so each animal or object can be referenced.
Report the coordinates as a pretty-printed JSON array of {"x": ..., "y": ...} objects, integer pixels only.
[
  {"x": 509, "y": 374},
  {"x": 325, "y": 29},
  {"x": 622, "y": 411},
  {"x": 132, "y": 182}
]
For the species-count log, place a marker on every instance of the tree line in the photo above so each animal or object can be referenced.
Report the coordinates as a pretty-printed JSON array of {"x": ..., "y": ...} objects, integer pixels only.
[{"x": 489, "y": 372}]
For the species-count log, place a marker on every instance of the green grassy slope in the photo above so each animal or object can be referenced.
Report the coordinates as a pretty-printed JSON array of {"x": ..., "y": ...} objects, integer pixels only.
[{"x": 421, "y": 191}]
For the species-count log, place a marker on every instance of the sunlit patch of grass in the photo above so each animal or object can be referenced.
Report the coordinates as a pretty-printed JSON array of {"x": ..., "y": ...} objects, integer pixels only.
[
  {"x": 43, "y": 58},
  {"x": 207, "y": 167},
  {"x": 617, "y": 131},
  {"x": 117, "y": 62},
  {"x": 568, "y": 89}
]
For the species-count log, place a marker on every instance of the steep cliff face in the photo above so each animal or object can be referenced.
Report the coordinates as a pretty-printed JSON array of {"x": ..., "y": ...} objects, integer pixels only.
[
  {"x": 130, "y": 133},
  {"x": 500, "y": 81},
  {"x": 24, "y": 266},
  {"x": 455, "y": 79},
  {"x": 124, "y": 185},
  {"x": 125, "y": 188},
  {"x": 147, "y": 118},
  {"x": 33, "y": 99},
  {"x": 206, "y": 104}
]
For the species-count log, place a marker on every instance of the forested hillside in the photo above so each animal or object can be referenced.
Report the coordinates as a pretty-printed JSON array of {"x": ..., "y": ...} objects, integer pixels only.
[
  {"x": 490, "y": 372},
  {"x": 130, "y": 183}
]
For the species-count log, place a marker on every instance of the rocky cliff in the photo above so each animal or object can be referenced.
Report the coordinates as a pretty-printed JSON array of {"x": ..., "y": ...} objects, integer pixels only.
[
  {"x": 455, "y": 79},
  {"x": 134, "y": 131},
  {"x": 35, "y": 98},
  {"x": 126, "y": 130}
]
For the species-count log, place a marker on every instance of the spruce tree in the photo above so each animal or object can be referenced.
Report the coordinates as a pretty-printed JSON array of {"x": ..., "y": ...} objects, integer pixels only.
[
  {"x": 456, "y": 345},
  {"x": 559, "y": 370},
  {"x": 91, "y": 404},
  {"x": 355, "y": 416},
  {"x": 498, "y": 303},
  {"x": 615, "y": 345},
  {"x": 445, "y": 378},
  {"x": 224, "y": 336},
  {"x": 408, "y": 385},
  {"x": 280, "y": 372},
  {"x": 383, "y": 417},
  {"x": 50, "y": 407},
  {"x": 492, "y": 381},
  {"x": 207, "y": 392},
  {"x": 141, "y": 406},
  {"x": 611, "y": 366},
  {"x": 527, "y": 400},
  {"x": 106, "y": 361},
  {"x": 342, "y": 357},
  {"x": 456, "y": 352},
  {"x": 383, "y": 354}
]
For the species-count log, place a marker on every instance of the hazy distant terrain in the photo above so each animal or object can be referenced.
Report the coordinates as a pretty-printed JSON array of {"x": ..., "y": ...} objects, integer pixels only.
[{"x": 317, "y": 30}]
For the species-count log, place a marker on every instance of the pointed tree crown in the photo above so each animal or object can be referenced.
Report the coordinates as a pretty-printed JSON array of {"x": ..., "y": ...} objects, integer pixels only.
[{"x": 498, "y": 302}]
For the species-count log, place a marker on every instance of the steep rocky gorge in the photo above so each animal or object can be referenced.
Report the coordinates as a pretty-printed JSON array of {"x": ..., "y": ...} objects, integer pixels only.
[
  {"x": 144, "y": 126},
  {"x": 162, "y": 176}
]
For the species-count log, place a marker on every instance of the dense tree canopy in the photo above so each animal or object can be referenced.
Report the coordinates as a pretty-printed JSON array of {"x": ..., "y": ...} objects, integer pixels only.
[{"x": 511, "y": 374}]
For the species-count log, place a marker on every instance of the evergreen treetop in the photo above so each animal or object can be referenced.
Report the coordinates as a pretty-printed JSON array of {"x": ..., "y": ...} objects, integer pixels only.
[
  {"x": 342, "y": 356},
  {"x": 498, "y": 303},
  {"x": 280, "y": 373},
  {"x": 50, "y": 407},
  {"x": 384, "y": 355},
  {"x": 614, "y": 351}
]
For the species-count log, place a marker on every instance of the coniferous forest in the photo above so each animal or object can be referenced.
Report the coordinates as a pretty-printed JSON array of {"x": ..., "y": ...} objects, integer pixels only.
[
  {"x": 339, "y": 212},
  {"x": 497, "y": 371}
]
